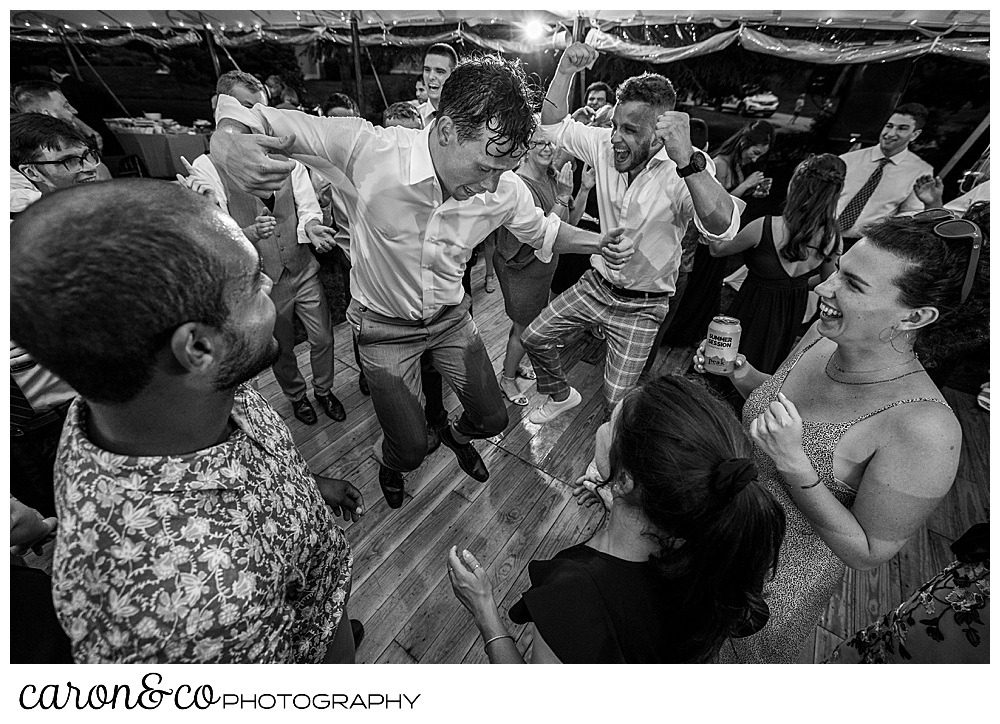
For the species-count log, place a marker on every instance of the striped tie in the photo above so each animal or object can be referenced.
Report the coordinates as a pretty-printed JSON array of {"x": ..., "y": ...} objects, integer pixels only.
[
  {"x": 21, "y": 411},
  {"x": 853, "y": 209}
]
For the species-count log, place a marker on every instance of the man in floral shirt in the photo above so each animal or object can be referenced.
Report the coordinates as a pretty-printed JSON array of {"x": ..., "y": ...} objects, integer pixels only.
[{"x": 190, "y": 527}]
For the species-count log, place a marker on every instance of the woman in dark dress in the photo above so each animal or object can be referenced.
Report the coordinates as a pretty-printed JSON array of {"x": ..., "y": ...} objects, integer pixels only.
[
  {"x": 677, "y": 570},
  {"x": 747, "y": 149},
  {"x": 786, "y": 256}
]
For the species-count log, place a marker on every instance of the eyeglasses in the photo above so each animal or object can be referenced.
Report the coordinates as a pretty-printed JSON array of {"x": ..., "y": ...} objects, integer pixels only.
[
  {"x": 952, "y": 228},
  {"x": 74, "y": 164},
  {"x": 538, "y": 144}
]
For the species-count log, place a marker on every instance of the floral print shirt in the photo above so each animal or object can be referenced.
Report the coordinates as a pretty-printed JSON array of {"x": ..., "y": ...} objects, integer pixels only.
[{"x": 225, "y": 555}]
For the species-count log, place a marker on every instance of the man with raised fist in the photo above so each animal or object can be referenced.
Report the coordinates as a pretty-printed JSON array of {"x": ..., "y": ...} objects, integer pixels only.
[{"x": 650, "y": 182}]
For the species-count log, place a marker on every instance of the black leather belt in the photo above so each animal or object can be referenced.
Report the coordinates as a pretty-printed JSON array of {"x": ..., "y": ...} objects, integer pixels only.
[{"x": 629, "y": 293}]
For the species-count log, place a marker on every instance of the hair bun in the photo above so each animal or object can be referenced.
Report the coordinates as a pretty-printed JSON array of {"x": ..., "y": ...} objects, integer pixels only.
[{"x": 731, "y": 476}]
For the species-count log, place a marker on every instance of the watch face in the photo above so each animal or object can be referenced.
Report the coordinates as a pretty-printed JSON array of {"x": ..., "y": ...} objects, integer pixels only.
[{"x": 698, "y": 161}]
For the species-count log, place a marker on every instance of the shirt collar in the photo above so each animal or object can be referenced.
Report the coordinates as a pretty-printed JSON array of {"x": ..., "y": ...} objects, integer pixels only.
[
  {"x": 877, "y": 155},
  {"x": 421, "y": 165}
]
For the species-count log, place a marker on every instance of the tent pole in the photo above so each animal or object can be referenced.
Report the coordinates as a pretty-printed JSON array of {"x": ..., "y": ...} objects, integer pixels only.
[
  {"x": 356, "y": 48},
  {"x": 377, "y": 79},
  {"x": 578, "y": 35},
  {"x": 965, "y": 146},
  {"x": 72, "y": 60},
  {"x": 128, "y": 114},
  {"x": 211, "y": 51}
]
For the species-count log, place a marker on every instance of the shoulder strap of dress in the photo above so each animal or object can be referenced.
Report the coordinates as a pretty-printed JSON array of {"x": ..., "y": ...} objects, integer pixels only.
[
  {"x": 784, "y": 370},
  {"x": 896, "y": 404}
]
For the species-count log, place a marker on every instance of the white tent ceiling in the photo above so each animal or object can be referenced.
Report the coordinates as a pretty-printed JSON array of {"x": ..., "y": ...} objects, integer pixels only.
[{"x": 928, "y": 20}]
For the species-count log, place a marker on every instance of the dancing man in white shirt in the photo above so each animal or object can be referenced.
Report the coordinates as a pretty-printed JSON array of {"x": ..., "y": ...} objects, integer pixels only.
[
  {"x": 424, "y": 200},
  {"x": 650, "y": 182}
]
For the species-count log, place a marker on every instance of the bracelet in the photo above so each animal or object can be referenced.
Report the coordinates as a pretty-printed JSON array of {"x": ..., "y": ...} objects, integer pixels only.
[
  {"x": 497, "y": 638},
  {"x": 811, "y": 485}
]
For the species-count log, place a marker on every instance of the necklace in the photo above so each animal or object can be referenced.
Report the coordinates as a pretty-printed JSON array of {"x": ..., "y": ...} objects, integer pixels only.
[
  {"x": 867, "y": 372},
  {"x": 826, "y": 369}
]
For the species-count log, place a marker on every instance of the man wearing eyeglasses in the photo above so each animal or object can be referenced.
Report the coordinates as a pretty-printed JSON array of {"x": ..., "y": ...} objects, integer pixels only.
[{"x": 52, "y": 154}]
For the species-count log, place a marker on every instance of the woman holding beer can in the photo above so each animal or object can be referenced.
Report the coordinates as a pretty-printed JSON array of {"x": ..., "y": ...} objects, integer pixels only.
[
  {"x": 851, "y": 435},
  {"x": 785, "y": 255}
]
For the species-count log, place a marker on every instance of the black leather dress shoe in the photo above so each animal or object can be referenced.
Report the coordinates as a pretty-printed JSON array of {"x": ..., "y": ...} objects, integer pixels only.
[
  {"x": 391, "y": 482},
  {"x": 468, "y": 458},
  {"x": 433, "y": 439},
  {"x": 363, "y": 385},
  {"x": 332, "y": 407},
  {"x": 358, "y": 631},
  {"x": 304, "y": 411}
]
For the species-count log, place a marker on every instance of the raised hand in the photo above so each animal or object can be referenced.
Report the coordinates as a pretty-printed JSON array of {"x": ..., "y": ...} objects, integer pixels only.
[
  {"x": 673, "y": 128},
  {"x": 576, "y": 57},
  {"x": 778, "y": 432},
  {"x": 588, "y": 179},
  {"x": 246, "y": 158},
  {"x": 199, "y": 186},
  {"x": 564, "y": 179},
  {"x": 930, "y": 190}
]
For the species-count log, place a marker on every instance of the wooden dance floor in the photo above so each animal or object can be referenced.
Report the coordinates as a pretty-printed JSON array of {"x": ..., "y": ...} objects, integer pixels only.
[{"x": 525, "y": 511}]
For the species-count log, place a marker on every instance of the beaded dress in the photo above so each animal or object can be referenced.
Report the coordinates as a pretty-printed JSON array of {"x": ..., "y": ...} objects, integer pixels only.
[{"x": 808, "y": 571}]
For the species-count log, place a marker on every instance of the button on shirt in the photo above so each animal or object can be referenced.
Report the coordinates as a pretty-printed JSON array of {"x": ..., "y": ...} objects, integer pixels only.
[
  {"x": 654, "y": 209},
  {"x": 894, "y": 193},
  {"x": 409, "y": 246}
]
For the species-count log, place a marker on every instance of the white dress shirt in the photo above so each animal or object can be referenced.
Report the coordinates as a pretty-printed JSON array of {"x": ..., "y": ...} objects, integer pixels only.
[
  {"x": 963, "y": 202},
  {"x": 426, "y": 111},
  {"x": 409, "y": 246},
  {"x": 654, "y": 209},
  {"x": 306, "y": 204},
  {"x": 894, "y": 193},
  {"x": 23, "y": 193}
]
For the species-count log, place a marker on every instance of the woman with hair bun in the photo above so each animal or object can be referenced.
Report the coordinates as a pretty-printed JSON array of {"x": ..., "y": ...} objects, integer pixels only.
[
  {"x": 678, "y": 569},
  {"x": 851, "y": 434},
  {"x": 783, "y": 255}
]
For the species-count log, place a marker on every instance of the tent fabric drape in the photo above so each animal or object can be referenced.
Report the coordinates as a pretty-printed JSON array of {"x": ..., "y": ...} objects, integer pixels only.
[{"x": 976, "y": 50}]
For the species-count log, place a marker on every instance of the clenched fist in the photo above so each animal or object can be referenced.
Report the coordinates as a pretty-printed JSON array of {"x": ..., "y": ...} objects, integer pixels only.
[
  {"x": 673, "y": 128},
  {"x": 576, "y": 57}
]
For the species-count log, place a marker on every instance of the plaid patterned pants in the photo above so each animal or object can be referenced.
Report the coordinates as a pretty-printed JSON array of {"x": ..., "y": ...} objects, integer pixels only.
[{"x": 630, "y": 327}]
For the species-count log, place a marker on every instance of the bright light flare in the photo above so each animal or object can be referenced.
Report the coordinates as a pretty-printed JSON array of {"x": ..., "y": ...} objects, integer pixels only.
[{"x": 534, "y": 29}]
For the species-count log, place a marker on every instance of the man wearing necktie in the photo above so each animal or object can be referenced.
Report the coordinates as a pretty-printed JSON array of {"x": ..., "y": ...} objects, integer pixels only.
[{"x": 880, "y": 179}]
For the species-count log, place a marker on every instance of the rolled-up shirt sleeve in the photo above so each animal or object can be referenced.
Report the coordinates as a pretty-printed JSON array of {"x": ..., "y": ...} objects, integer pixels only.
[
  {"x": 734, "y": 220},
  {"x": 306, "y": 204},
  {"x": 529, "y": 223}
]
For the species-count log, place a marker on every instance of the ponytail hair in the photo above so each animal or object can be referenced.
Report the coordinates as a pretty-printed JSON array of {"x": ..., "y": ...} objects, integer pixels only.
[{"x": 719, "y": 530}]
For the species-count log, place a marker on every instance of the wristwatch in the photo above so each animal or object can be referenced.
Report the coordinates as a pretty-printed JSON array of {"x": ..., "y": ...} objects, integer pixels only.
[{"x": 697, "y": 163}]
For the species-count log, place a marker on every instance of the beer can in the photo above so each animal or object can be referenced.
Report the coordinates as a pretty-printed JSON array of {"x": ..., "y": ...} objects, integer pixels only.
[{"x": 722, "y": 345}]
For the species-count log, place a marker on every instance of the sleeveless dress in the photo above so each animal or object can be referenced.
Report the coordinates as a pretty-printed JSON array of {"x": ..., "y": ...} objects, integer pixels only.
[
  {"x": 808, "y": 571},
  {"x": 770, "y": 304}
]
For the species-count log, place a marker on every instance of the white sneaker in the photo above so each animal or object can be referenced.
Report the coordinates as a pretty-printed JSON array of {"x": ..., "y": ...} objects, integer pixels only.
[{"x": 551, "y": 409}]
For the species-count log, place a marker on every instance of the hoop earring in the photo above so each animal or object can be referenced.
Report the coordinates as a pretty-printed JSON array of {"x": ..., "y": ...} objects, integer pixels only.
[
  {"x": 887, "y": 339},
  {"x": 907, "y": 336}
]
